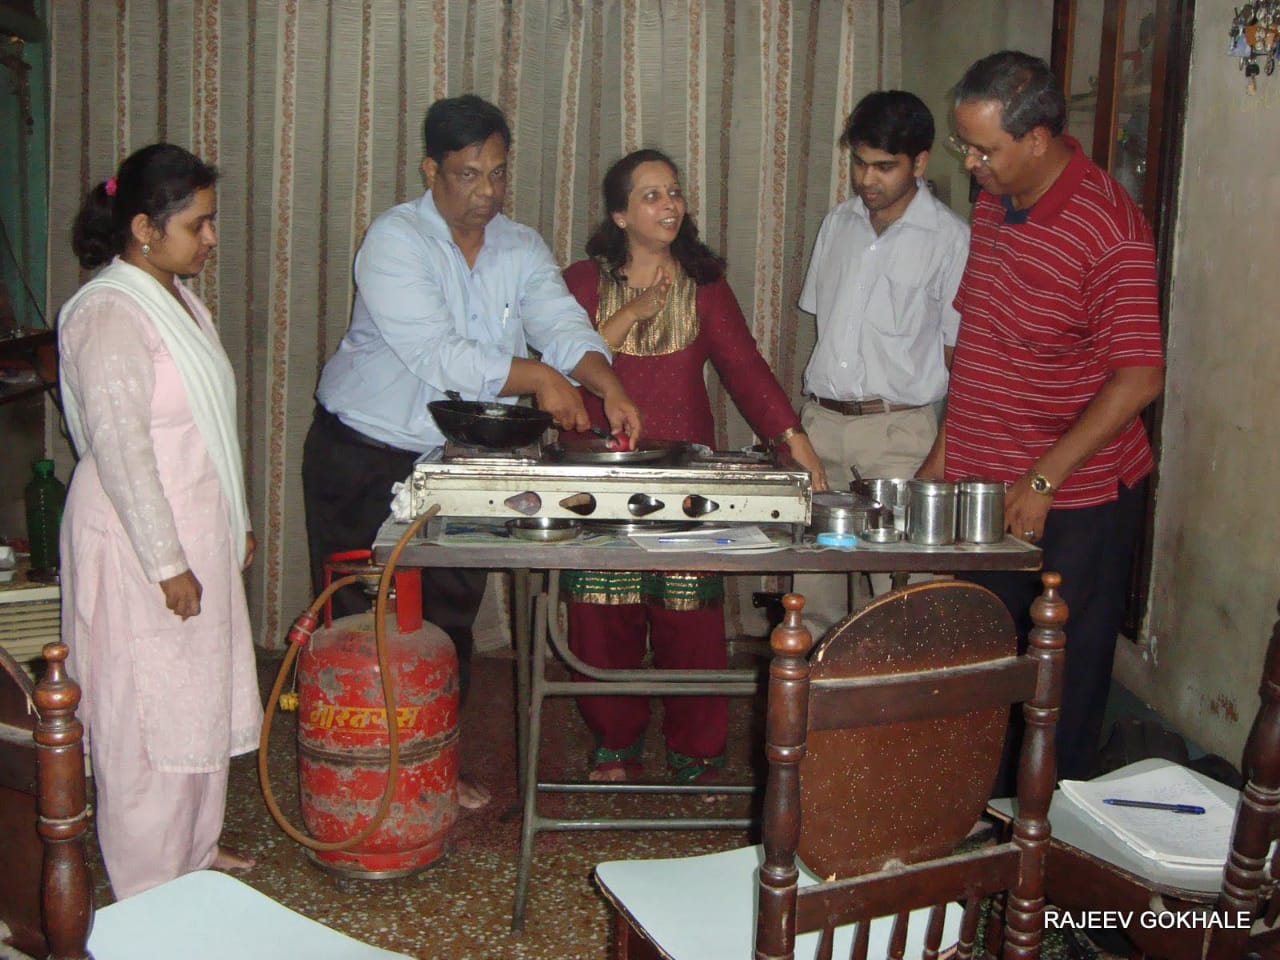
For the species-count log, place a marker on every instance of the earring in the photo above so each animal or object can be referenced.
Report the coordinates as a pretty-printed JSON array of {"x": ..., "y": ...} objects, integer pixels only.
[{"x": 146, "y": 249}]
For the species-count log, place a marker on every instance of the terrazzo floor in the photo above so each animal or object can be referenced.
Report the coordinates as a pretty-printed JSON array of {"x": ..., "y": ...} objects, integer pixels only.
[{"x": 460, "y": 908}]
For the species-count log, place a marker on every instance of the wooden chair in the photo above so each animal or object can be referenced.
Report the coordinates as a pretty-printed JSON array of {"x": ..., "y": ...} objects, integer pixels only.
[
  {"x": 883, "y": 745},
  {"x": 46, "y": 897},
  {"x": 1088, "y": 869}
]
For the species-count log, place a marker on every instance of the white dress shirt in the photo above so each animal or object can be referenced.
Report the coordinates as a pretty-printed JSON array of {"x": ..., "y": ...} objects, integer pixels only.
[
  {"x": 425, "y": 322},
  {"x": 884, "y": 303}
]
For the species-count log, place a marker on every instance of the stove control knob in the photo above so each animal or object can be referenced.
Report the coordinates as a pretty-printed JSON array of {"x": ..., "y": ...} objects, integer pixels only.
[
  {"x": 527, "y": 503},
  {"x": 583, "y": 504},
  {"x": 699, "y": 506},
  {"x": 643, "y": 504}
]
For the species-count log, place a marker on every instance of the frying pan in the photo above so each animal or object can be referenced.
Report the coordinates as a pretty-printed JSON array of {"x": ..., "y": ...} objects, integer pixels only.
[{"x": 495, "y": 426}]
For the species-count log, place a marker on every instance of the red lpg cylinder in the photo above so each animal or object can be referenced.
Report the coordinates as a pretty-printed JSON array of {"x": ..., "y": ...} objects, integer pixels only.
[{"x": 344, "y": 751}]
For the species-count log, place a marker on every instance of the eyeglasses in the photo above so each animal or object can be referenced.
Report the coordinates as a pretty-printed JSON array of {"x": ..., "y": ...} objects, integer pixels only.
[{"x": 965, "y": 149}]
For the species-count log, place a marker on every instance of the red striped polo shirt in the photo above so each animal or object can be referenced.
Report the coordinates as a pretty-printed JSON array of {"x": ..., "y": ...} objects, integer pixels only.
[{"x": 1048, "y": 308}]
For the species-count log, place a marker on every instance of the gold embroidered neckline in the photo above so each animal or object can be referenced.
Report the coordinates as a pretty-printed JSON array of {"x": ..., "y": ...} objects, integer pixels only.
[{"x": 675, "y": 328}]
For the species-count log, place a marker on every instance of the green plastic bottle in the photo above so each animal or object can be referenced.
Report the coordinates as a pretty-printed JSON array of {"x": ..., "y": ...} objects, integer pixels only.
[{"x": 45, "y": 496}]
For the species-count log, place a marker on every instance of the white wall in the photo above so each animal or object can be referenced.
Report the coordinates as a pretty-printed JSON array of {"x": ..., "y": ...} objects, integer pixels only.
[
  {"x": 940, "y": 38},
  {"x": 1215, "y": 578}
]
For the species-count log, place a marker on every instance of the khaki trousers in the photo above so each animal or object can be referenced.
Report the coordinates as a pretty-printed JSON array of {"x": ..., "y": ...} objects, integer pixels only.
[{"x": 889, "y": 445}]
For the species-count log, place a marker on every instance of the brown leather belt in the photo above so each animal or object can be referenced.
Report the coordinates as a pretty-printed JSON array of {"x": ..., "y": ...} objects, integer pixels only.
[{"x": 862, "y": 408}]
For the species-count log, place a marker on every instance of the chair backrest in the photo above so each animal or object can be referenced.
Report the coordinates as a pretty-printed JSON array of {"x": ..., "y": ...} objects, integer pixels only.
[
  {"x": 46, "y": 897},
  {"x": 883, "y": 746},
  {"x": 1247, "y": 878}
]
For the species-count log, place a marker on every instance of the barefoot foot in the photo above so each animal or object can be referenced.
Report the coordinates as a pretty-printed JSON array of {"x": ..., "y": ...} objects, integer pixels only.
[
  {"x": 232, "y": 861},
  {"x": 472, "y": 796},
  {"x": 608, "y": 774}
]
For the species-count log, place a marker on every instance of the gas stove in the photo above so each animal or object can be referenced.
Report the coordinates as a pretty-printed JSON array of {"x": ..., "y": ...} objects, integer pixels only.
[{"x": 693, "y": 484}]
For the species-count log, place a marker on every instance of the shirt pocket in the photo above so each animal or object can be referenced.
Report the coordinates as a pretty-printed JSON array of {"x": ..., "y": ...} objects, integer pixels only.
[{"x": 900, "y": 304}]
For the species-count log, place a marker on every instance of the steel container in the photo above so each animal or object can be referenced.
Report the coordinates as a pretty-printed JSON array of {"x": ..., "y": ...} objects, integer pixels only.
[
  {"x": 835, "y": 512},
  {"x": 891, "y": 494},
  {"x": 980, "y": 505},
  {"x": 931, "y": 512}
]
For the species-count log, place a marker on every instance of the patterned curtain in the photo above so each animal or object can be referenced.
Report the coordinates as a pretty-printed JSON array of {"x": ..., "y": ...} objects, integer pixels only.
[{"x": 312, "y": 110}]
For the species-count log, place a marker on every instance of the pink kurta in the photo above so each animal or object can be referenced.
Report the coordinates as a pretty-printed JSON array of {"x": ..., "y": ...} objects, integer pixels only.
[{"x": 161, "y": 696}]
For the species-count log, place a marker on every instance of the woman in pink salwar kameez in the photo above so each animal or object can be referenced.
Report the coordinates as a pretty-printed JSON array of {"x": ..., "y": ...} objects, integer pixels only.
[{"x": 155, "y": 533}]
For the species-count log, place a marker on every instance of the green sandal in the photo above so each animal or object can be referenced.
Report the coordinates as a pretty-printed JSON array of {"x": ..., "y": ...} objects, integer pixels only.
[
  {"x": 627, "y": 759},
  {"x": 690, "y": 770}
]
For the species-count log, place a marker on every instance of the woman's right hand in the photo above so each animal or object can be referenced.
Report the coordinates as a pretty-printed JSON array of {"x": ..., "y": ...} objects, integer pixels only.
[
  {"x": 182, "y": 594},
  {"x": 649, "y": 304},
  {"x": 641, "y": 308}
]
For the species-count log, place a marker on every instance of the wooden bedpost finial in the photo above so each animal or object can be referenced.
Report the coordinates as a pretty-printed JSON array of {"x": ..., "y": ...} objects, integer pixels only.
[
  {"x": 63, "y": 812},
  {"x": 791, "y": 638}
]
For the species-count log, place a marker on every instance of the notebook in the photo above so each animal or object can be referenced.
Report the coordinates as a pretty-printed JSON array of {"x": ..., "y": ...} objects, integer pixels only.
[{"x": 1189, "y": 839}]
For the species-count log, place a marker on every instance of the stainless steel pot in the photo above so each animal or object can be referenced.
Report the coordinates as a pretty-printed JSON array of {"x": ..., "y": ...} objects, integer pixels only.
[
  {"x": 835, "y": 512},
  {"x": 891, "y": 494}
]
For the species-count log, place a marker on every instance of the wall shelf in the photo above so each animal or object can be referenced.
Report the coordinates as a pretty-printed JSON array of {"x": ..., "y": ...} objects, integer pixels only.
[{"x": 33, "y": 350}]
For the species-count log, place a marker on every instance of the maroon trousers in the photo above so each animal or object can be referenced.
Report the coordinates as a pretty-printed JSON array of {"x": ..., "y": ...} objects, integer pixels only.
[{"x": 614, "y": 636}]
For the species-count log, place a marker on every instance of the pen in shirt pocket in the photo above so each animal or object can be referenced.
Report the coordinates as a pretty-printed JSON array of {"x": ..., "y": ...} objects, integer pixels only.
[{"x": 506, "y": 312}]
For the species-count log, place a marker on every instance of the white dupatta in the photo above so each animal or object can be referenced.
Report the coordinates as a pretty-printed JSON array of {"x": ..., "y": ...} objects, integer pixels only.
[{"x": 206, "y": 374}]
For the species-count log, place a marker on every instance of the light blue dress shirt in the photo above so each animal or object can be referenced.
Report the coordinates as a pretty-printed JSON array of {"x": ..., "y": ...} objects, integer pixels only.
[{"x": 425, "y": 322}]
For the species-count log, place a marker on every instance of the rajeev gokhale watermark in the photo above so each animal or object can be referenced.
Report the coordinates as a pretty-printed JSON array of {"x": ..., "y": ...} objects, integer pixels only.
[{"x": 1146, "y": 919}]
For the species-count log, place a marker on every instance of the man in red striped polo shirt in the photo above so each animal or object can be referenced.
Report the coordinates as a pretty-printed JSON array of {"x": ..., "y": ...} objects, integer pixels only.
[{"x": 1059, "y": 351}]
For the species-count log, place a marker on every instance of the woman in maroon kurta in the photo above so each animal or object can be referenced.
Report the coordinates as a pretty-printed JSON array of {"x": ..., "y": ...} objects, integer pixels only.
[{"x": 659, "y": 297}]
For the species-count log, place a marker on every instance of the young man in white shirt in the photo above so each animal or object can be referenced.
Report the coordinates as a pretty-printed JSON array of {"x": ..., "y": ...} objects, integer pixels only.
[{"x": 881, "y": 281}]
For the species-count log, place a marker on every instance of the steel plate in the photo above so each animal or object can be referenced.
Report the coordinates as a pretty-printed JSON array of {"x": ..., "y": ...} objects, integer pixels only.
[
  {"x": 595, "y": 450},
  {"x": 544, "y": 529},
  {"x": 624, "y": 528}
]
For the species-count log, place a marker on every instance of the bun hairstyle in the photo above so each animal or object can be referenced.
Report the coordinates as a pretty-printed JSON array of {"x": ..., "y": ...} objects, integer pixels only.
[{"x": 158, "y": 180}]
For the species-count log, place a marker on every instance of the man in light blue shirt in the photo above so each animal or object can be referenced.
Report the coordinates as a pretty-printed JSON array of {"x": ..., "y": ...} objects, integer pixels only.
[{"x": 450, "y": 295}]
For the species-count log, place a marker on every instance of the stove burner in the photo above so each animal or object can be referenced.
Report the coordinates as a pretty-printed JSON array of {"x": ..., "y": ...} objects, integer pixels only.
[
  {"x": 731, "y": 460},
  {"x": 466, "y": 453}
]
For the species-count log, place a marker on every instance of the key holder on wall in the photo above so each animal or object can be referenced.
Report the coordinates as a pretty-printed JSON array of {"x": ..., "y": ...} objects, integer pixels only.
[{"x": 1254, "y": 36}]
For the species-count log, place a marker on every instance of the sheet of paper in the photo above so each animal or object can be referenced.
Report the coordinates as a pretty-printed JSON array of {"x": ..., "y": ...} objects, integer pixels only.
[
  {"x": 1163, "y": 835},
  {"x": 702, "y": 539}
]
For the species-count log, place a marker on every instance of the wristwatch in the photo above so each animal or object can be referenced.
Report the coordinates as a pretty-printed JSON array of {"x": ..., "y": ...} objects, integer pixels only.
[{"x": 1041, "y": 484}]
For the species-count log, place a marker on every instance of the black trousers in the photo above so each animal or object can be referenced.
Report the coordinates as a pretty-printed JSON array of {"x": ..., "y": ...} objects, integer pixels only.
[
  {"x": 1092, "y": 548},
  {"x": 346, "y": 488}
]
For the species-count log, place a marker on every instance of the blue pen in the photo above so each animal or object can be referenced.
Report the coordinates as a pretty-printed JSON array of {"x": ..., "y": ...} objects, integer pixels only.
[
  {"x": 1152, "y": 805},
  {"x": 695, "y": 540}
]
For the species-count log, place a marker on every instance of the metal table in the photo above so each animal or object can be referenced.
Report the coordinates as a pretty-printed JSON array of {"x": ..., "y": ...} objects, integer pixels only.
[{"x": 535, "y": 567}]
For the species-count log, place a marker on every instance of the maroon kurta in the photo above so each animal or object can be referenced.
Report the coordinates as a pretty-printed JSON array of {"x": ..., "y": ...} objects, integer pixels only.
[
  {"x": 670, "y": 390},
  {"x": 672, "y": 396}
]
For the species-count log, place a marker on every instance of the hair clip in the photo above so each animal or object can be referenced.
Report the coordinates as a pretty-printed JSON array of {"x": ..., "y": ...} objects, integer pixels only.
[{"x": 110, "y": 186}]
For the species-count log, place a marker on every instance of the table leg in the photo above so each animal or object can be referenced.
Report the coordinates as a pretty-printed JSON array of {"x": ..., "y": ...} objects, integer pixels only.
[
  {"x": 530, "y": 821},
  {"x": 523, "y": 611}
]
